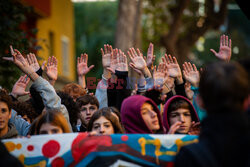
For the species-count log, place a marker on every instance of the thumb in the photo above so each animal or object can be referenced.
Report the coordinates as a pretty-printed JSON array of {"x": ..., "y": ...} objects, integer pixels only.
[
  {"x": 214, "y": 52},
  {"x": 26, "y": 93},
  {"x": 92, "y": 66},
  {"x": 43, "y": 65}
]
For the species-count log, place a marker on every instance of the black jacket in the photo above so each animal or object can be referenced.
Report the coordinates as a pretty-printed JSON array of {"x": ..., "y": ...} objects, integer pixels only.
[{"x": 223, "y": 142}]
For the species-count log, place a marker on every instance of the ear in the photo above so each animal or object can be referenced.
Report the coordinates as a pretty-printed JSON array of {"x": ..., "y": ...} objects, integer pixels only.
[{"x": 200, "y": 102}]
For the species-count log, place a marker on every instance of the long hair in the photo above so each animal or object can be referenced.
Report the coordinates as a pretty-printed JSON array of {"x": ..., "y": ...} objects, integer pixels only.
[
  {"x": 107, "y": 113},
  {"x": 53, "y": 117}
]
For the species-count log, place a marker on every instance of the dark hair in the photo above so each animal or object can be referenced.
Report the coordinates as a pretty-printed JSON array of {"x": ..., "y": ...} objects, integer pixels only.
[
  {"x": 71, "y": 106},
  {"x": 5, "y": 98},
  {"x": 53, "y": 117},
  {"x": 107, "y": 113},
  {"x": 116, "y": 112},
  {"x": 86, "y": 99},
  {"x": 223, "y": 87},
  {"x": 73, "y": 88},
  {"x": 25, "y": 108},
  {"x": 179, "y": 104}
]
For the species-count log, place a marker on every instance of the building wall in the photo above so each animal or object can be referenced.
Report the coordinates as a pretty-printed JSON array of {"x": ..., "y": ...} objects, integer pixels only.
[{"x": 56, "y": 37}]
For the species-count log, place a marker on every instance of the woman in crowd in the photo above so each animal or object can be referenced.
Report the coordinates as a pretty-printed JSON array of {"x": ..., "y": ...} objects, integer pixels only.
[{"x": 104, "y": 122}]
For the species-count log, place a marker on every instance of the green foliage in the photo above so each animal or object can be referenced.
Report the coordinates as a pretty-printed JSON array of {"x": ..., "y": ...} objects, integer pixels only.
[
  {"x": 95, "y": 24},
  {"x": 12, "y": 15}
]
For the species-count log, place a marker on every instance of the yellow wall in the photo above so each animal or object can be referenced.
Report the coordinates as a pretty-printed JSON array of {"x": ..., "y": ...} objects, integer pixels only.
[{"x": 61, "y": 24}]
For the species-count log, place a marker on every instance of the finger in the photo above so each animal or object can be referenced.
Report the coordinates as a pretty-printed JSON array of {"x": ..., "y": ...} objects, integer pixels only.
[
  {"x": 102, "y": 52},
  {"x": 29, "y": 59},
  {"x": 48, "y": 64},
  {"x": 226, "y": 42},
  {"x": 175, "y": 60},
  {"x": 170, "y": 58},
  {"x": 163, "y": 60},
  {"x": 110, "y": 69},
  {"x": 35, "y": 59},
  {"x": 139, "y": 52},
  {"x": 230, "y": 44},
  {"x": 134, "y": 52},
  {"x": 194, "y": 66},
  {"x": 105, "y": 49},
  {"x": 125, "y": 58},
  {"x": 144, "y": 57},
  {"x": 215, "y": 53},
  {"x": 85, "y": 59},
  {"x": 43, "y": 65},
  {"x": 150, "y": 50},
  {"x": 92, "y": 66},
  {"x": 11, "y": 50},
  {"x": 78, "y": 60},
  {"x": 167, "y": 59},
  {"x": 130, "y": 55},
  {"x": 221, "y": 40},
  {"x": 190, "y": 68},
  {"x": 55, "y": 62},
  {"x": 82, "y": 57},
  {"x": 8, "y": 58},
  {"x": 27, "y": 79}
]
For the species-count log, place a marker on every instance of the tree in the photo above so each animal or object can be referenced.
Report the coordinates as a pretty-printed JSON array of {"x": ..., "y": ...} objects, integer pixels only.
[
  {"x": 12, "y": 15},
  {"x": 178, "y": 24},
  {"x": 128, "y": 29}
]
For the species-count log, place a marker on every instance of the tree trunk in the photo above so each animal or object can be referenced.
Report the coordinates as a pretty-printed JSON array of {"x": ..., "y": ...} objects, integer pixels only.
[{"x": 128, "y": 29}]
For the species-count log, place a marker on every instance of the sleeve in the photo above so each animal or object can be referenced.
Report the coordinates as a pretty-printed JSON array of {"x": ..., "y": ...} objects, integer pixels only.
[
  {"x": 120, "y": 90},
  {"x": 101, "y": 92},
  {"x": 21, "y": 125},
  {"x": 180, "y": 89},
  {"x": 50, "y": 99}
]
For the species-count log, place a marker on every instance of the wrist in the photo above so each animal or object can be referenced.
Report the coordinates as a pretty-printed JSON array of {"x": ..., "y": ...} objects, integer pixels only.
[
  {"x": 106, "y": 73},
  {"x": 179, "y": 80},
  {"x": 146, "y": 73},
  {"x": 14, "y": 95}
]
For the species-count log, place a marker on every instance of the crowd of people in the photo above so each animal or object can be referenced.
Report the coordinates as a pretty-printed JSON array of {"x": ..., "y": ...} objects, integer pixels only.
[{"x": 213, "y": 103}]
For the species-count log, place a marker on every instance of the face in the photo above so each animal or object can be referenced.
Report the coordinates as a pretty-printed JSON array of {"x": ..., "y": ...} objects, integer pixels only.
[
  {"x": 184, "y": 116},
  {"x": 48, "y": 128},
  {"x": 5, "y": 115},
  {"x": 103, "y": 126},
  {"x": 86, "y": 112},
  {"x": 150, "y": 117},
  {"x": 26, "y": 118}
]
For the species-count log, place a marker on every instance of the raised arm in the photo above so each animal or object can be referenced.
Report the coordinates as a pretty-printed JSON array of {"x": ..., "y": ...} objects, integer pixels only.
[
  {"x": 83, "y": 69},
  {"x": 191, "y": 74},
  {"x": 20, "y": 86},
  {"x": 225, "y": 51},
  {"x": 51, "y": 70}
]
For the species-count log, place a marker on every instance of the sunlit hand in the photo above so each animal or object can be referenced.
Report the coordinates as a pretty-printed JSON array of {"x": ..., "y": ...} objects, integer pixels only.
[
  {"x": 191, "y": 74},
  {"x": 137, "y": 59},
  {"x": 122, "y": 62},
  {"x": 20, "y": 86},
  {"x": 172, "y": 66},
  {"x": 82, "y": 65},
  {"x": 106, "y": 55},
  {"x": 19, "y": 61},
  {"x": 160, "y": 75},
  {"x": 31, "y": 57},
  {"x": 51, "y": 68},
  {"x": 225, "y": 51}
]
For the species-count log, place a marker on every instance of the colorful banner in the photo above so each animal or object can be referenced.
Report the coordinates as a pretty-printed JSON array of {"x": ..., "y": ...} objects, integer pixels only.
[{"x": 80, "y": 149}]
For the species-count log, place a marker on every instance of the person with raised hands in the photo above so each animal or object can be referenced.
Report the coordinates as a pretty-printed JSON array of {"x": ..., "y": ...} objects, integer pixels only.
[
  {"x": 83, "y": 69},
  {"x": 18, "y": 89},
  {"x": 101, "y": 90},
  {"x": 50, "y": 99},
  {"x": 225, "y": 51},
  {"x": 119, "y": 90},
  {"x": 192, "y": 76}
]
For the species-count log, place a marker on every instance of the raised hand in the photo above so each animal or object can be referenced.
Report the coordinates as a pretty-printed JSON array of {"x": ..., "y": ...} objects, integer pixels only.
[
  {"x": 160, "y": 75},
  {"x": 150, "y": 56},
  {"x": 20, "y": 86},
  {"x": 19, "y": 61},
  {"x": 122, "y": 62},
  {"x": 31, "y": 57},
  {"x": 82, "y": 65},
  {"x": 225, "y": 51},
  {"x": 137, "y": 59},
  {"x": 51, "y": 68},
  {"x": 172, "y": 66},
  {"x": 114, "y": 61},
  {"x": 191, "y": 74},
  {"x": 106, "y": 55}
]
